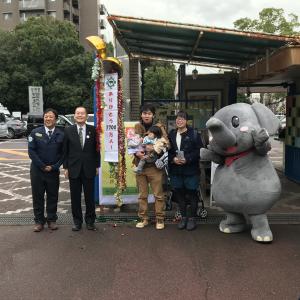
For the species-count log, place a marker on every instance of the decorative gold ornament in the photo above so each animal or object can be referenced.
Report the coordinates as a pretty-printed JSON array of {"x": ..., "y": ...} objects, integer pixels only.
[
  {"x": 112, "y": 65},
  {"x": 97, "y": 43}
]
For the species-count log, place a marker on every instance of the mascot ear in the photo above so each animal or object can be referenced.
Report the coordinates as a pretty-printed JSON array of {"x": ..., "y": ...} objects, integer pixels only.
[{"x": 266, "y": 118}]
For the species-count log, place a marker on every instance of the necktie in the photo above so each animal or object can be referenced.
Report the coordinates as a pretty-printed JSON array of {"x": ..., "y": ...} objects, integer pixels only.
[
  {"x": 50, "y": 134},
  {"x": 80, "y": 137}
]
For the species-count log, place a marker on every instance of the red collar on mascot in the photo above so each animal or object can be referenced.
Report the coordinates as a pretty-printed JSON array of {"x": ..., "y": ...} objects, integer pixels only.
[{"x": 230, "y": 159}]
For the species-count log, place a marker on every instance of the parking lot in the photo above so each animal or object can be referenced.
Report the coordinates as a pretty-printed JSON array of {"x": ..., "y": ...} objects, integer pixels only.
[{"x": 15, "y": 188}]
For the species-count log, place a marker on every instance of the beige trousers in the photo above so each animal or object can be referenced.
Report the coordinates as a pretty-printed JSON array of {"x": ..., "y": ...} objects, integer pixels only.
[{"x": 154, "y": 177}]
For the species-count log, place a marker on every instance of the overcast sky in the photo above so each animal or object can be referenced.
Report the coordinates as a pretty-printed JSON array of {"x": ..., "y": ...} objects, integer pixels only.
[{"x": 220, "y": 13}]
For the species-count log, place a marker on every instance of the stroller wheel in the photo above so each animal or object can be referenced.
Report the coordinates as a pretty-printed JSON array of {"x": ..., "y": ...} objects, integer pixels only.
[
  {"x": 177, "y": 215},
  {"x": 202, "y": 213}
]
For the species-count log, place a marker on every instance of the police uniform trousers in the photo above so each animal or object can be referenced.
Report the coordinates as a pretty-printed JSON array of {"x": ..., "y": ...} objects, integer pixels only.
[{"x": 41, "y": 183}]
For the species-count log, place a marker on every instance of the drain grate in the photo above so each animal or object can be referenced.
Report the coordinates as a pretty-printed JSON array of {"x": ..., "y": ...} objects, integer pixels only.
[{"x": 66, "y": 219}]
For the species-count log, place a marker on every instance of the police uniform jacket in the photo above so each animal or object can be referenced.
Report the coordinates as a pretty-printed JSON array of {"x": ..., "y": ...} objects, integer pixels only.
[{"x": 44, "y": 151}]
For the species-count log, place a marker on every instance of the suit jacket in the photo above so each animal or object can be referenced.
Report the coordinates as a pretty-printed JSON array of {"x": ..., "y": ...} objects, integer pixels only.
[
  {"x": 76, "y": 158},
  {"x": 44, "y": 151}
]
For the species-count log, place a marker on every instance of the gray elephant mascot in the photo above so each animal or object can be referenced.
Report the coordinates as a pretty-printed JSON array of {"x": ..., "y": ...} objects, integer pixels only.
[{"x": 245, "y": 183}]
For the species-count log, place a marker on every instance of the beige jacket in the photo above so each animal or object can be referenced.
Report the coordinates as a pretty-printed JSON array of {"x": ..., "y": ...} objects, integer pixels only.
[{"x": 140, "y": 129}]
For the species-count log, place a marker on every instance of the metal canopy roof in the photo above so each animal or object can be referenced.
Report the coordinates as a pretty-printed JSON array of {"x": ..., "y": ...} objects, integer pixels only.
[{"x": 194, "y": 44}]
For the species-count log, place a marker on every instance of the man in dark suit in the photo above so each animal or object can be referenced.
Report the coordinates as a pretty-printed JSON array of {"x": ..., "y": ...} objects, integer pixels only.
[
  {"x": 81, "y": 164},
  {"x": 45, "y": 149}
]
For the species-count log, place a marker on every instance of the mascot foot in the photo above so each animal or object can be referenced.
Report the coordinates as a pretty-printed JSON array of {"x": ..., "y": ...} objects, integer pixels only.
[
  {"x": 261, "y": 231},
  {"x": 233, "y": 223}
]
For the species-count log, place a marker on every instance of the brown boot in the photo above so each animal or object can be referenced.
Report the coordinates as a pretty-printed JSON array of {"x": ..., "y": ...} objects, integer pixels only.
[
  {"x": 38, "y": 227},
  {"x": 52, "y": 225}
]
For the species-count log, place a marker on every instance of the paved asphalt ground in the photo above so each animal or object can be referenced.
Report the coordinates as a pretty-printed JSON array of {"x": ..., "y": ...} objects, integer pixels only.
[
  {"x": 127, "y": 263},
  {"x": 123, "y": 262}
]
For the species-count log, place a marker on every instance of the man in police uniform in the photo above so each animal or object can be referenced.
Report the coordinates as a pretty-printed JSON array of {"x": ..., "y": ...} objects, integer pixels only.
[{"x": 45, "y": 149}]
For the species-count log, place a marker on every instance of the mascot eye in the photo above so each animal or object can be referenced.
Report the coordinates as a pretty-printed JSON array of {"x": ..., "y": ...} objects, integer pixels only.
[{"x": 235, "y": 121}]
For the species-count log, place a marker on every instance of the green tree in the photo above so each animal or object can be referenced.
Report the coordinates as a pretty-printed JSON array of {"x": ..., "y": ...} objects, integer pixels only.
[
  {"x": 44, "y": 52},
  {"x": 271, "y": 20},
  {"x": 160, "y": 80},
  {"x": 243, "y": 98},
  {"x": 110, "y": 49}
]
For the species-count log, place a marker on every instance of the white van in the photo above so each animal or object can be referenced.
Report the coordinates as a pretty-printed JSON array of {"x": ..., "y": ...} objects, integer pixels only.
[
  {"x": 4, "y": 110},
  {"x": 3, "y": 126}
]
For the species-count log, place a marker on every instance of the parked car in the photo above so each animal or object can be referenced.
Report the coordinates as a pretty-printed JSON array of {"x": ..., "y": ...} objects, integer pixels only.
[
  {"x": 4, "y": 110},
  {"x": 70, "y": 117},
  {"x": 35, "y": 121},
  {"x": 3, "y": 126},
  {"x": 90, "y": 119},
  {"x": 16, "y": 127},
  {"x": 282, "y": 128}
]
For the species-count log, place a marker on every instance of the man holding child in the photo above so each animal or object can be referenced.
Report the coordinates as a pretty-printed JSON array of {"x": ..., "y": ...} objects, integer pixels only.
[{"x": 149, "y": 174}]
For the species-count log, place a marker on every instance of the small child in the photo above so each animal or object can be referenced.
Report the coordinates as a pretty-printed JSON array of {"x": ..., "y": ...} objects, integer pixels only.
[{"x": 154, "y": 144}]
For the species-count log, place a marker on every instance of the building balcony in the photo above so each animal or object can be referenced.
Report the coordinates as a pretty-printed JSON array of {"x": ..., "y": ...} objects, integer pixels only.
[
  {"x": 66, "y": 7},
  {"x": 75, "y": 19},
  {"x": 75, "y": 11},
  {"x": 75, "y": 3},
  {"x": 31, "y": 4}
]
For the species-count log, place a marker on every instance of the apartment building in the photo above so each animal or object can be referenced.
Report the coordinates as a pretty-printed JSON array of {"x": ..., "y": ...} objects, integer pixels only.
[{"x": 87, "y": 15}]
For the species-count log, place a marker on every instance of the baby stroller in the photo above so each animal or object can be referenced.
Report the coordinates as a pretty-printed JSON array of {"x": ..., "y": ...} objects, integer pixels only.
[{"x": 162, "y": 163}]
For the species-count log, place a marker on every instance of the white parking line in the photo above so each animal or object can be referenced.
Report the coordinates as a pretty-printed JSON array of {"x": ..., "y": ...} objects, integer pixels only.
[
  {"x": 10, "y": 212},
  {"x": 23, "y": 180},
  {"x": 18, "y": 197},
  {"x": 22, "y": 188},
  {"x": 14, "y": 166},
  {"x": 11, "y": 182}
]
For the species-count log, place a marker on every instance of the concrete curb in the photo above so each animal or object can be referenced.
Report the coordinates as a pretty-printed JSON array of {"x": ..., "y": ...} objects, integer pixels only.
[{"x": 66, "y": 219}]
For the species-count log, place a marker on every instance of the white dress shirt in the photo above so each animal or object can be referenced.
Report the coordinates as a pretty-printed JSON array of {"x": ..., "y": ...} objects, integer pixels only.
[{"x": 47, "y": 130}]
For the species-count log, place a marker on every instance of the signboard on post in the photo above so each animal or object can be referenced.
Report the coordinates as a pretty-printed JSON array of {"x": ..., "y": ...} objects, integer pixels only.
[
  {"x": 36, "y": 104},
  {"x": 111, "y": 118}
]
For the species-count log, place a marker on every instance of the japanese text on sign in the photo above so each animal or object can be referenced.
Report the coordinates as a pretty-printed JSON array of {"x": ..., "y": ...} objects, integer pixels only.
[
  {"x": 111, "y": 118},
  {"x": 36, "y": 104}
]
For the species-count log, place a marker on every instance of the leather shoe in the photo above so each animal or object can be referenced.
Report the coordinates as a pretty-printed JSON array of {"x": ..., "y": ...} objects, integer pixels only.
[
  {"x": 52, "y": 225},
  {"x": 76, "y": 227},
  {"x": 91, "y": 227},
  {"x": 38, "y": 227},
  {"x": 182, "y": 224},
  {"x": 191, "y": 224}
]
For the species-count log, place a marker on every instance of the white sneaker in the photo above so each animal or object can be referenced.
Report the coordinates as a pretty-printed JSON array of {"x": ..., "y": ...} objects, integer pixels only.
[
  {"x": 160, "y": 225},
  {"x": 142, "y": 224}
]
